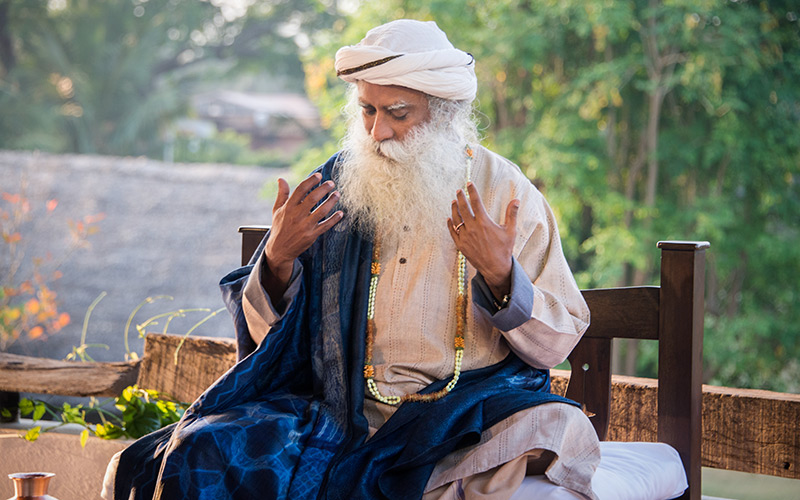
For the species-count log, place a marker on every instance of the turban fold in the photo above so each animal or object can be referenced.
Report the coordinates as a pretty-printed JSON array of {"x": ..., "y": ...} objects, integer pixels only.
[{"x": 412, "y": 54}]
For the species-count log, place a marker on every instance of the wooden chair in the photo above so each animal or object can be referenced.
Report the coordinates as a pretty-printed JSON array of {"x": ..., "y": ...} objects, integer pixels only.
[{"x": 671, "y": 313}]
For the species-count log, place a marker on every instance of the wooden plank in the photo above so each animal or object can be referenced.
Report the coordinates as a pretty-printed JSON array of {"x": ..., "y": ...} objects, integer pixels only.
[
  {"x": 630, "y": 312},
  {"x": 590, "y": 381},
  {"x": 751, "y": 431},
  {"x": 66, "y": 378},
  {"x": 633, "y": 406},
  {"x": 201, "y": 361},
  {"x": 744, "y": 430}
]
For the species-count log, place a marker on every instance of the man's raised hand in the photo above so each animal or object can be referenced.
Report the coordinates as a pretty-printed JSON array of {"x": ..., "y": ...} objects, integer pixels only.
[
  {"x": 296, "y": 224},
  {"x": 488, "y": 246}
]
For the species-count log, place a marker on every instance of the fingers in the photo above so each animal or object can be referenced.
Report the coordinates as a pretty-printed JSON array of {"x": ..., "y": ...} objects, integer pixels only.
[
  {"x": 471, "y": 207},
  {"x": 306, "y": 190},
  {"x": 476, "y": 205},
  {"x": 454, "y": 213},
  {"x": 283, "y": 194},
  {"x": 325, "y": 207},
  {"x": 451, "y": 228},
  {"x": 462, "y": 207},
  {"x": 308, "y": 194},
  {"x": 512, "y": 210},
  {"x": 330, "y": 221}
]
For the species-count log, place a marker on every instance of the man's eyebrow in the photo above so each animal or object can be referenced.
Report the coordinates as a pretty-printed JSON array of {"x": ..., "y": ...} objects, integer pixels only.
[
  {"x": 392, "y": 107},
  {"x": 398, "y": 105}
]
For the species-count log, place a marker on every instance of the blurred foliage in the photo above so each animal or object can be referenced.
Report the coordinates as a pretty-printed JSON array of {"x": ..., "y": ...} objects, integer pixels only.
[
  {"x": 28, "y": 304},
  {"x": 142, "y": 411},
  {"x": 109, "y": 77},
  {"x": 642, "y": 121}
]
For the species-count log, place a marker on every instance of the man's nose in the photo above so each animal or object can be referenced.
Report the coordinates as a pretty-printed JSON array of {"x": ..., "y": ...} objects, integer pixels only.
[{"x": 381, "y": 130}]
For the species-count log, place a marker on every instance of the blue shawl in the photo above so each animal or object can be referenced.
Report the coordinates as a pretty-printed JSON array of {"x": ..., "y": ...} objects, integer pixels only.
[{"x": 287, "y": 420}]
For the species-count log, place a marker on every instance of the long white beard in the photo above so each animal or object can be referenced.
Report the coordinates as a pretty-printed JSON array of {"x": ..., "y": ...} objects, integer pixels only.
[{"x": 407, "y": 188}]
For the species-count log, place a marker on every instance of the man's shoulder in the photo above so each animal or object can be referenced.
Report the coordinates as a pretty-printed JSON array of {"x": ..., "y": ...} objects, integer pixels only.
[
  {"x": 485, "y": 154},
  {"x": 498, "y": 168}
]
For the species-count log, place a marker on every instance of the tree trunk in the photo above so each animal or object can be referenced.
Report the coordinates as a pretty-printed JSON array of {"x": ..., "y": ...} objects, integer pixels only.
[{"x": 7, "y": 57}]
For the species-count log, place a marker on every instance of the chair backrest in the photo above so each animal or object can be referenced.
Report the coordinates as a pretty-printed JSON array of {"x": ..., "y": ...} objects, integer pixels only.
[{"x": 671, "y": 313}]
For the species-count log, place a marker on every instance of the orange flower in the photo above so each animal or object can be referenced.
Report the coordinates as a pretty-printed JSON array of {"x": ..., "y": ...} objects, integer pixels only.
[
  {"x": 12, "y": 238},
  {"x": 60, "y": 322},
  {"x": 51, "y": 205},
  {"x": 12, "y": 198},
  {"x": 36, "y": 332},
  {"x": 63, "y": 319},
  {"x": 91, "y": 219},
  {"x": 32, "y": 306}
]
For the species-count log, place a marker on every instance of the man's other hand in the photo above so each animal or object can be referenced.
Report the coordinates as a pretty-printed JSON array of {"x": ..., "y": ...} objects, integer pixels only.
[
  {"x": 297, "y": 221},
  {"x": 488, "y": 246}
]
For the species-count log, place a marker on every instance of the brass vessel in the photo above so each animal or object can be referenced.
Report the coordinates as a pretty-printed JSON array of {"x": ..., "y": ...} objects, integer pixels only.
[{"x": 31, "y": 485}]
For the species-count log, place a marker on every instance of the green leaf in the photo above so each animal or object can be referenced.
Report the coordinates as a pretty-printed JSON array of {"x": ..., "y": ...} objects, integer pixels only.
[
  {"x": 39, "y": 410},
  {"x": 5, "y": 412},
  {"x": 109, "y": 431},
  {"x": 144, "y": 423},
  {"x": 25, "y": 406},
  {"x": 32, "y": 434}
]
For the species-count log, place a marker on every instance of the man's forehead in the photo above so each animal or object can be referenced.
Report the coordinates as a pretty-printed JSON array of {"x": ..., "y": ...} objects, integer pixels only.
[{"x": 389, "y": 96}]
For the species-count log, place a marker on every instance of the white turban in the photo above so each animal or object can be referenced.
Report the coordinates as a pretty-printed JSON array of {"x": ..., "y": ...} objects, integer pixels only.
[{"x": 412, "y": 54}]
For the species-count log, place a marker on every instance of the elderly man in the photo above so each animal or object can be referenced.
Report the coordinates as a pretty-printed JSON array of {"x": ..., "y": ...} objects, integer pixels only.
[{"x": 396, "y": 325}]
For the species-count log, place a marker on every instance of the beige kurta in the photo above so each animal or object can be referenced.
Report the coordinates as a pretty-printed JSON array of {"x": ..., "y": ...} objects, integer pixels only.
[{"x": 415, "y": 322}]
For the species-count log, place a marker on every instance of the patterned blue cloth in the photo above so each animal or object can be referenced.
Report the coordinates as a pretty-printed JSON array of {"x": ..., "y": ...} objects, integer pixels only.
[{"x": 287, "y": 422}]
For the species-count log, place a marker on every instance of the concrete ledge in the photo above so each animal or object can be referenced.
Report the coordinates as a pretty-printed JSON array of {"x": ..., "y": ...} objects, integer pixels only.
[{"x": 78, "y": 471}]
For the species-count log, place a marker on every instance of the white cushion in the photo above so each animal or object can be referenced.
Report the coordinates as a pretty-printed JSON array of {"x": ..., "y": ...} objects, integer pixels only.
[{"x": 627, "y": 471}]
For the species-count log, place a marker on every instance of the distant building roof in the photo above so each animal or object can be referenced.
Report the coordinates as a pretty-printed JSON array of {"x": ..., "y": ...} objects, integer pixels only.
[
  {"x": 282, "y": 120},
  {"x": 222, "y": 102}
]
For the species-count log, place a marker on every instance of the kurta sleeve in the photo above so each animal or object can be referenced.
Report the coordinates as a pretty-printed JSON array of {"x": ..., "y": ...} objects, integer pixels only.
[
  {"x": 544, "y": 330},
  {"x": 520, "y": 304},
  {"x": 559, "y": 314},
  {"x": 259, "y": 311}
]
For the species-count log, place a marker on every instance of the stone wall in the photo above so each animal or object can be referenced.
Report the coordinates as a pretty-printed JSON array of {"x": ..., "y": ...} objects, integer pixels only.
[{"x": 169, "y": 229}]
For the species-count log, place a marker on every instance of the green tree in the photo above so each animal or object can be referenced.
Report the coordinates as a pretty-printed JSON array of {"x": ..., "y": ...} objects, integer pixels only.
[
  {"x": 108, "y": 77},
  {"x": 644, "y": 120}
]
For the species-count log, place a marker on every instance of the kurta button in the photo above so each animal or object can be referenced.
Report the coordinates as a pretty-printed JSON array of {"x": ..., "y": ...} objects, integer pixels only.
[
  {"x": 402, "y": 260},
  {"x": 406, "y": 228}
]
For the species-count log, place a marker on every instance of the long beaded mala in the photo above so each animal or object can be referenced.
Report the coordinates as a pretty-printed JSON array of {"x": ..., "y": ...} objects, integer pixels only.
[{"x": 461, "y": 324}]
